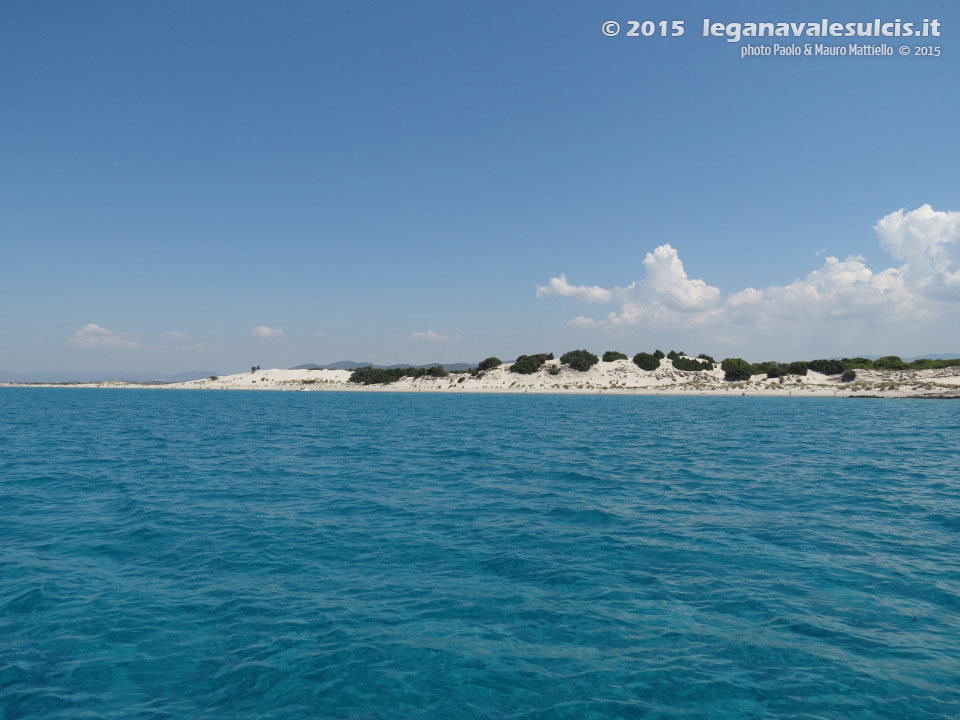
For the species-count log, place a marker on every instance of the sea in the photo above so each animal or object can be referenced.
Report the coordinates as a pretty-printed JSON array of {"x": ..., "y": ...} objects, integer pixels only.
[{"x": 278, "y": 555}]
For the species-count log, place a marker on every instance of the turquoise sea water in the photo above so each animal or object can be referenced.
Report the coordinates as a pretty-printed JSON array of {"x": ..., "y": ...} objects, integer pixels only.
[{"x": 178, "y": 554}]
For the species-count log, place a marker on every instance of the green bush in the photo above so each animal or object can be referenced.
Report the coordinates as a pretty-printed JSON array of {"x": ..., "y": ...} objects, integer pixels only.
[
  {"x": 890, "y": 362},
  {"x": 849, "y": 375},
  {"x": 490, "y": 363},
  {"x": 581, "y": 360},
  {"x": 374, "y": 376},
  {"x": 775, "y": 372},
  {"x": 827, "y": 367},
  {"x": 858, "y": 363},
  {"x": 704, "y": 356},
  {"x": 658, "y": 354},
  {"x": 775, "y": 369},
  {"x": 771, "y": 367},
  {"x": 689, "y": 365},
  {"x": 611, "y": 355},
  {"x": 797, "y": 368},
  {"x": 735, "y": 369},
  {"x": 646, "y": 361},
  {"x": 928, "y": 364},
  {"x": 529, "y": 364},
  {"x": 673, "y": 355},
  {"x": 554, "y": 370},
  {"x": 381, "y": 376}
]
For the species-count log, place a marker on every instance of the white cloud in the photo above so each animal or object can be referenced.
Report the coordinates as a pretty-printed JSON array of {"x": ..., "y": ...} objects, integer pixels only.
[
  {"x": 840, "y": 288},
  {"x": 840, "y": 299},
  {"x": 560, "y": 286},
  {"x": 262, "y": 331},
  {"x": 176, "y": 335},
  {"x": 92, "y": 335},
  {"x": 430, "y": 336},
  {"x": 668, "y": 283},
  {"x": 665, "y": 293},
  {"x": 928, "y": 243}
]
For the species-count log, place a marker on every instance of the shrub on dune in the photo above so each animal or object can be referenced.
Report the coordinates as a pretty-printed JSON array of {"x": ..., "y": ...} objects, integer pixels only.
[
  {"x": 858, "y": 363},
  {"x": 529, "y": 364},
  {"x": 798, "y": 368},
  {"x": 611, "y": 355},
  {"x": 827, "y": 367},
  {"x": 382, "y": 376},
  {"x": 890, "y": 362},
  {"x": 490, "y": 363},
  {"x": 735, "y": 369},
  {"x": 646, "y": 361},
  {"x": 581, "y": 360},
  {"x": 689, "y": 365}
]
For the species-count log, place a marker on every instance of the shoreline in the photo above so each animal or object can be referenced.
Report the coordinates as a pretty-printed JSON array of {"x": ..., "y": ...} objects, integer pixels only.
[
  {"x": 619, "y": 377},
  {"x": 428, "y": 391}
]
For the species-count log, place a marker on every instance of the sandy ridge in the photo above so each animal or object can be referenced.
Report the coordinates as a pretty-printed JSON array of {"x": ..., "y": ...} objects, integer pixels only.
[{"x": 619, "y": 376}]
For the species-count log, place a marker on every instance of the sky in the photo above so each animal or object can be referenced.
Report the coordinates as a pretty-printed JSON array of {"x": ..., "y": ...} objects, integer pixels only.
[{"x": 206, "y": 186}]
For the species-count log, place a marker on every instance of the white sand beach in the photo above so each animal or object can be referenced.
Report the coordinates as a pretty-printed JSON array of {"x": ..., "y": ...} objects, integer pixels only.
[{"x": 619, "y": 376}]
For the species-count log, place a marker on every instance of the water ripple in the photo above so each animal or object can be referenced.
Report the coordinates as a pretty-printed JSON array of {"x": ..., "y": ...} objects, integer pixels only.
[{"x": 346, "y": 555}]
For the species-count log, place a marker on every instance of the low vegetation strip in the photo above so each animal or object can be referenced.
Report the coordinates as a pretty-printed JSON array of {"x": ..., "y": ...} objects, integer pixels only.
[
  {"x": 381, "y": 376},
  {"x": 734, "y": 369}
]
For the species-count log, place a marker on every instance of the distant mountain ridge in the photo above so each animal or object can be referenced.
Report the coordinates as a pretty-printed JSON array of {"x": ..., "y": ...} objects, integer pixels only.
[
  {"x": 932, "y": 356},
  {"x": 353, "y": 365},
  {"x": 935, "y": 356}
]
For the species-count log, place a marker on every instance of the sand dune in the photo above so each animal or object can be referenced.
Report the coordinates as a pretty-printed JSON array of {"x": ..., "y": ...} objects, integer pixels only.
[{"x": 619, "y": 376}]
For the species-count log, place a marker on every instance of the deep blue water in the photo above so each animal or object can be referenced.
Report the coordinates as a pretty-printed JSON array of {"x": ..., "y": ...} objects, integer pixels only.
[{"x": 178, "y": 554}]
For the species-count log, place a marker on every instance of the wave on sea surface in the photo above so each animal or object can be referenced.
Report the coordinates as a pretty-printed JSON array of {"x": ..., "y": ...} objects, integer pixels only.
[{"x": 346, "y": 555}]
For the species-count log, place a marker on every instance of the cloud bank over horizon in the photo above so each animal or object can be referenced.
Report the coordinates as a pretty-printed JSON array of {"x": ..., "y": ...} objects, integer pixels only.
[{"x": 843, "y": 303}]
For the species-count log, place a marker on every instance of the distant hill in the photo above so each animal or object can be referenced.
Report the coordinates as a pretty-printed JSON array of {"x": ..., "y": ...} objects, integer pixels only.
[
  {"x": 934, "y": 356},
  {"x": 339, "y": 365},
  {"x": 353, "y": 365}
]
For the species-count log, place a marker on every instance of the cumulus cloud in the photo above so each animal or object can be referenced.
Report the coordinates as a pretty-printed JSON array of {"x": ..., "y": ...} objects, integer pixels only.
[
  {"x": 430, "y": 336},
  {"x": 560, "y": 286},
  {"x": 262, "y": 331},
  {"x": 926, "y": 243},
  {"x": 92, "y": 335},
  {"x": 664, "y": 292},
  {"x": 668, "y": 283},
  {"x": 845, "y": 288},
  {"x": 176, "y": 335}
]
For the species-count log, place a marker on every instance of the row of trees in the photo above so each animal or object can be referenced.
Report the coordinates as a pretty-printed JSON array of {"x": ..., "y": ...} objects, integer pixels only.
[
  {"x": 734, "y": 369},
  {"x": 384, "y": 376},
  {"x": 893, "y": 362},
  {"x": 739, "y": 369},
  {"x": 648, "y": 361}
]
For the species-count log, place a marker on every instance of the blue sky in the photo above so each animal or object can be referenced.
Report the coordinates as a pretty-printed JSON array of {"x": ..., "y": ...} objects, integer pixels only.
[{"x": 393, "y": 181}]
